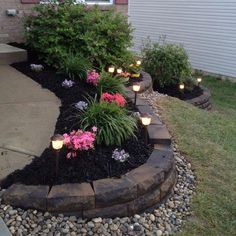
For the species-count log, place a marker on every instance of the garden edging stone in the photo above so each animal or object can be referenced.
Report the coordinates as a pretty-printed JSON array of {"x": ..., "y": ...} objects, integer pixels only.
[
  {"x": 162, "y": 159},
  {"x": 136, "y": 191},
  {"x": 70, "y": 197},
  {"x": 158, "y": 134},
  {"x": 145, "y": 85},
  {"x": 113, "y": 191},
  {"x": 202, "y": 101},
  {"x": 27, "y": 196}
]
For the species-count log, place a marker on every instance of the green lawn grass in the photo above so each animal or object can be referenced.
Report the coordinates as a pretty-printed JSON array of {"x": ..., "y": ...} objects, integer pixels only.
[{"x": 208, "y": 140}]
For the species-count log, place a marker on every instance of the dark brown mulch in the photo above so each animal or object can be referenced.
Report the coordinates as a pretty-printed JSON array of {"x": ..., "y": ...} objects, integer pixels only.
[
  {"x": 174, "y": 91},
  {"x": 88, "y": 166}
]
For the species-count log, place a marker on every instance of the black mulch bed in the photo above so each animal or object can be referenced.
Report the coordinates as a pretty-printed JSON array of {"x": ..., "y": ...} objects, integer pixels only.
[
  {"x": 88, "y": 166},
  {"x": 174, "y": 91}
]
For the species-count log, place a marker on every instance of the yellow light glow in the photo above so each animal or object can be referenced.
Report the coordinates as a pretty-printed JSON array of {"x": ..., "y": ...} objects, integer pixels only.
[
  {"x": 111, "y": 69},
  {"x": 136, "y": 87},
  {"x": 57, "y": 141},
  {"x": 119, "y": 70},
  {"x": 138, "y": 62},
  {"x": 181, "y": 86},
  {"x": 146, "y": 120},
  {"x": 57, "y": 145},
  {"x": 199, "y": 80}
]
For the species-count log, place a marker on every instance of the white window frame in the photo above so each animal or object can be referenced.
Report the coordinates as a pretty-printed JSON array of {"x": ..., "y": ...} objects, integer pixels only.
[
  {"x": 85, "y": 2},
  {"x": 97, "y": 3}
]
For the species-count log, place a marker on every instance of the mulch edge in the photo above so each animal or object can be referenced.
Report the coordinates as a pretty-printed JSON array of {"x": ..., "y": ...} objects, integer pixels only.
[{"x": 134, "y": 192}]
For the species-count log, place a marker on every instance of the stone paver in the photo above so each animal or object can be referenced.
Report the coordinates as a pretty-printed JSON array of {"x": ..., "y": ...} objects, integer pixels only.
[
  {"x": 10, "y": 54},
  {"x": 28, "y": 115},
  {"x": 3, "y": 229},
  {"x": 10, "y": 159}
]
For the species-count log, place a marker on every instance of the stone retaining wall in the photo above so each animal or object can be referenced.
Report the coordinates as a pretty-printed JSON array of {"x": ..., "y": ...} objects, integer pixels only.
[
  {"x": 202, "y": 101},
  {"x": 133, "y": 193}
]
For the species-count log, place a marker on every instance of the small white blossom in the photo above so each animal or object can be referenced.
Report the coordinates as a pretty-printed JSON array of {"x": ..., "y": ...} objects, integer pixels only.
[
  {"x": 81, "y": 105},
  {"x": 136, "y": 114},
  {"x": 67, "y": 83},
  {"x": 120, "y": 155},
  {"x": 36, "y": 67}
]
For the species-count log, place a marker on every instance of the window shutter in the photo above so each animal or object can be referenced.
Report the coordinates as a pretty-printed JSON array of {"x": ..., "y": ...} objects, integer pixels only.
[
  {"x": 121, "y": 2},
  {"x": 30, "y": 1}
]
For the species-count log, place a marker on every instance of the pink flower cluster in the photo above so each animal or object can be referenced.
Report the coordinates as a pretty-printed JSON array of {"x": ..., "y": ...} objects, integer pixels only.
[
  {"x": 93, "y": 77},
  {"x": 117, "y": 98},
  {"x": 125, "y": 74},
  {"x": 79, "y": 140}
]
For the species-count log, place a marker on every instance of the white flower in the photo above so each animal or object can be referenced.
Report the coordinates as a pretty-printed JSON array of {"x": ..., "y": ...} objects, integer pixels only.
[
  {"x": 120, "y": 155},
  {"x": 36, "y": 67},
  {"x": 67, "y": 83},
  {"x": 81, "y": 105},
  {"x": 136, "y": 114}
]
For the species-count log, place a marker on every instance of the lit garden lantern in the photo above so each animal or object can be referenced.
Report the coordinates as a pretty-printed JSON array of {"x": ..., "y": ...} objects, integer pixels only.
[
  {"x": 199, "y": 80},
  {"x": 138, "y": 63},
  {"x": 136, "y": 88},
  {"x": 119, "y": 70},
  {"x": 146, "y": 121},
  {"x": 181, "y": 87},
  {"x": 57, "y": 144},
  {"x": 111, "y": 69}
]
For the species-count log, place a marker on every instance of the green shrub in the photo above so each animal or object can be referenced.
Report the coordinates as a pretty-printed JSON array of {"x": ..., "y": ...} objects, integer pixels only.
[
  {"x": 168, "y": 64},
  {"x": 113, "y": 123},
  {"x": 111, "y": 84},
  {"x": 75, "y": 66},
  {"x": 101, "y": 36}
]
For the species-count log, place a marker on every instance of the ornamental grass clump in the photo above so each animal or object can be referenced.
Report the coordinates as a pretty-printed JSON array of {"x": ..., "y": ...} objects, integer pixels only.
[
  {"x": 113, "y": 123},
  {"x": 74, "y": 66},
  {"x": 111, "y": 84}
]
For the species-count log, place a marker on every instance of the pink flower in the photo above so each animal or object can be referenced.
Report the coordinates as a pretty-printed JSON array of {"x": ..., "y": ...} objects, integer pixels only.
[
  {"x": 107, "y": 97},
  {"x": 125, "y": 74},
  {"x": 117, "y": 98},
  {"x": 79, "y": 140},
  {"x": 120, "y": 100},
  {"x": 94, "y": 129},
  {"x": 93, "y": 77},
  {"x": 66, "y": 139}
]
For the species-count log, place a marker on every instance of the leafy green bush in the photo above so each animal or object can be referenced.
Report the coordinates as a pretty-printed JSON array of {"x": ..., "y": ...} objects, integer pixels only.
[
  {"x": 100, "y": 36},
  {"x": 113, "y": 123},
  {"x": 168, "y": 64},
  {"x": 111, "y": 84},
  {"x": 75, "y": 66}
]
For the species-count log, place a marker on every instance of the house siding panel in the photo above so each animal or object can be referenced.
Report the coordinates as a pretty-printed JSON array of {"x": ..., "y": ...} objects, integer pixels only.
[{"x": 206, "y": 28}]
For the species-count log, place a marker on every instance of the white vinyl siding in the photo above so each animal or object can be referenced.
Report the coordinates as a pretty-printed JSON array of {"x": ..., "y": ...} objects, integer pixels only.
[{"x": 206, "y": 28}]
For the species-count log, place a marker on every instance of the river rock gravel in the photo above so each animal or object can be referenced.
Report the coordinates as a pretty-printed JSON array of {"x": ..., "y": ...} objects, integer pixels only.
[{"x": 165, "y": 219}]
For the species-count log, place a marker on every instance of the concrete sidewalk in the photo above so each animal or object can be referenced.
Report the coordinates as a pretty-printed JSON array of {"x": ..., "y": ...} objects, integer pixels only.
[
  {"x": 28, "y": 116},
  {"x": 3, "y": 229}
]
